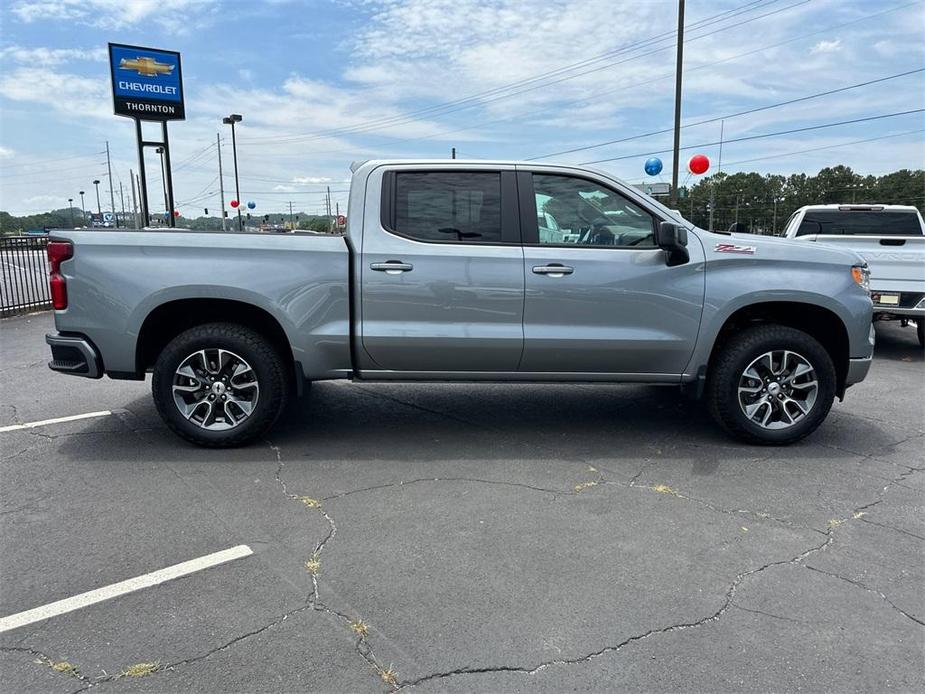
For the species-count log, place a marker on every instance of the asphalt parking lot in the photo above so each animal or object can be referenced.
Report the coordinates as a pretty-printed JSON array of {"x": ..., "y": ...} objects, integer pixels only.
[{"x": 463, "y": 538}]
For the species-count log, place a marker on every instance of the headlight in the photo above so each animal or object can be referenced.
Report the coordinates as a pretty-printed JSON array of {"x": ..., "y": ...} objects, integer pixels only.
[{"x": 861, "y": 275}]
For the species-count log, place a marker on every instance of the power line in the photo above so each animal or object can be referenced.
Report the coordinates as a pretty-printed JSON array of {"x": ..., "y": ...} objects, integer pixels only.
[
  {"x": 469, "y": 102},
  {"x": 758, "y": 137},
  {"x": 732, "y": 115},
  {"x": 817, "y": 149}
]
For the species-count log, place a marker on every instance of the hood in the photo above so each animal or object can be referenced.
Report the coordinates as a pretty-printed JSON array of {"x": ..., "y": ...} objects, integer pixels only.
[{"x": 776, "y": 248}]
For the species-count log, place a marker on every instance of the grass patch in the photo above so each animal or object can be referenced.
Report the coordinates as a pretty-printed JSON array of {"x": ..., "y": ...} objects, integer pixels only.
[
  {"x": 389, "y": 676},
  {"x": 313, "y": 565},
  {"x": 64, "y": 667},
  {"x": 584, "y": 485},
  {"x": 664, "y": 489},
  {"x": 359, "y": 627},
  {"x": 308, "y": 501},
  {"x": 141, "y": 669},
  {"x": 834, "y": 523}
]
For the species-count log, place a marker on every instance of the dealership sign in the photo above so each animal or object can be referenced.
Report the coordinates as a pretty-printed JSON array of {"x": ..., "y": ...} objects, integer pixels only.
[{"x": 146, "y": 83}]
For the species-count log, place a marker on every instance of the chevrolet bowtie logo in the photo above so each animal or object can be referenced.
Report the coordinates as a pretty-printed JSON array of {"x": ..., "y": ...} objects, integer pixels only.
[{"x": 148, "y": 67}]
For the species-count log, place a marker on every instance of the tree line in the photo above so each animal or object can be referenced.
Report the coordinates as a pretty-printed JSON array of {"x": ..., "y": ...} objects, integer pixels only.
[{"x": 762, "y": 203}]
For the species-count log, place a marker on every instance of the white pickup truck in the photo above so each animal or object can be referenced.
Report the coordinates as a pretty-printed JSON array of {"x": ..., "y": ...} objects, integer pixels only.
[{"x": 891, "y": 238}]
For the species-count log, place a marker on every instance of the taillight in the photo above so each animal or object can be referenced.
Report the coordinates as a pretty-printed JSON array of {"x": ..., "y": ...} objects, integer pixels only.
[{"x": 58, "y": 251}]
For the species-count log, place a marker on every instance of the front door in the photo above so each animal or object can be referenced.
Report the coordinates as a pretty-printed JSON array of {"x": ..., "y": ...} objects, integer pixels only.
[
  {"x": 442, "y": 272},
  {"x": 599, "y": 296}
]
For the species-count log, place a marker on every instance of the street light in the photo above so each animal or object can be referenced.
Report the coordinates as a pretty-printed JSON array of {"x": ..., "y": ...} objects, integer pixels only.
[
  {"x": 99, "y": 207},
  {"x": 231, "y": 120},
  {"x": 70, "y": 207},
  {"x": 83, "y": 210},
  {"x": 160, "y": 150}
]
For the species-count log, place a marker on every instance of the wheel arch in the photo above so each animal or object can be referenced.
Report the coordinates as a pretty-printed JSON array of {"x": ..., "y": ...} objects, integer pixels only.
[
  {"x": 821, "y": 323},
  {"x": 167, "y": 320}
]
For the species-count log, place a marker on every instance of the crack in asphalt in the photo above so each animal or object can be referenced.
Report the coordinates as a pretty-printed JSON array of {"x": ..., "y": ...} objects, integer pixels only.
[
  {"x": 714, "y": 617},
  {"x": 876, "y": 592},
  {"x": 44, "y": 659},
  {"x": 362, "y": 646},
  {"x": 894, "y": 529}
]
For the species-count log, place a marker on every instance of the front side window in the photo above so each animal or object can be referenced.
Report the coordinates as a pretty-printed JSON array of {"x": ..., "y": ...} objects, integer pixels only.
[
  {"x": 448, "y": 206},
  {"x": 860, "y": 223},
  {"x": 575, "y": 211}
]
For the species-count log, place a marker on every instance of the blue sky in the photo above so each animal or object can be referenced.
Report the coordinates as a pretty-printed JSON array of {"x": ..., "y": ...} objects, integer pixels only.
[{"x": 323, "y": 83}]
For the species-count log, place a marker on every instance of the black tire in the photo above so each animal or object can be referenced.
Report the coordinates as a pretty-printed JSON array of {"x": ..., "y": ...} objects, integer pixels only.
[
  {"x": 268, "y": 369},
  {"x": 735, "y": 356},
  {"x": 920, "y": 329}
]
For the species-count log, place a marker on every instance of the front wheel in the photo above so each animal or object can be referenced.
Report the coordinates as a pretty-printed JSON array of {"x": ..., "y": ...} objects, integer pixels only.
[
  {"x": 771, "y": 384},
  {"x": 219, "y": 385}
]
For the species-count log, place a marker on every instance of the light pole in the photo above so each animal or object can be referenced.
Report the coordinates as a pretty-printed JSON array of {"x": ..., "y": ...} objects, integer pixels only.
[
  {"x": 83, "y": 210},
  {"x": 231, "y": 120},
  {"x": 167, "y": 211},
  {"x": 70, "y": 207},
  {"x": 99, "y": 207}
]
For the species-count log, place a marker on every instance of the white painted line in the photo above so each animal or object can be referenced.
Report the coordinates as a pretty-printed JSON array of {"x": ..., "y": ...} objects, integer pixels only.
[
  {"x": 56, "y": 420},
  {"x": 58, "y": 607}
]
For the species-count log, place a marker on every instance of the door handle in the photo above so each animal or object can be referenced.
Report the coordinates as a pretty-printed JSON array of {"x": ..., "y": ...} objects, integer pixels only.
[
  {"x": 553, "y": 270},
  {"x": 392, "y": 267}
]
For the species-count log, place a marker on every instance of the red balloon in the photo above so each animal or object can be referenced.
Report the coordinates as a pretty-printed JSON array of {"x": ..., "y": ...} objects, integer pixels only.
[
  {"x": 698, "y": 164},
  {"x": 234, "y": 203},
  {"x": 176, "y": 213}
]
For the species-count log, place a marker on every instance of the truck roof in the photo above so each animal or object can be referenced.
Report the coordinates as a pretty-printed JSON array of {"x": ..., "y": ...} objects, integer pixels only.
[{"x": 848, "y": 207}]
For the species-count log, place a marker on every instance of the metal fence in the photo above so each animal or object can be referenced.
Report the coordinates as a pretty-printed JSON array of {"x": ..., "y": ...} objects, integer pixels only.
[{"x": 23, "y": 275}]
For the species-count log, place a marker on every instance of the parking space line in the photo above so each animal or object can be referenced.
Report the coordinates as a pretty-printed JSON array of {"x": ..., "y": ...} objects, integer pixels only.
[
  {"x": 56, "y": 420},
  {"x": 148, "y": 580}
]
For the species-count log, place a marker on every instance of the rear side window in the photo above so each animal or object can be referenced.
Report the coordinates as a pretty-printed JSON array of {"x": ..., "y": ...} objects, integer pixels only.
[
  {"x": 447, "y": 206},
  {"x": 860, "y": 222}
]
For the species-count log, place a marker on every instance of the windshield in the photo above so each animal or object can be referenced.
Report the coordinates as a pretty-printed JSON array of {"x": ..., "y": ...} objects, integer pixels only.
[{"x": 860, "y": 222}]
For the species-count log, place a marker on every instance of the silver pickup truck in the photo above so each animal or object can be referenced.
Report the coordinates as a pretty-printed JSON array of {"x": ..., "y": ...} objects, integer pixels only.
[
  {"x": 891, "y": 238},
  {"x": 466, "y": 271}
]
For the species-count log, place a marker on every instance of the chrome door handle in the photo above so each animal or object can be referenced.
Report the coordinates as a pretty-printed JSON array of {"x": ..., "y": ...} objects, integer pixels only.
[
  {"x": 553, "y": 270},
  {"x": 392, "y": 267}
]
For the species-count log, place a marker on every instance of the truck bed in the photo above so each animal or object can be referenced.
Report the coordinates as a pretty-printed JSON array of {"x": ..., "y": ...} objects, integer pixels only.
[{"x": 117, "y": 278}]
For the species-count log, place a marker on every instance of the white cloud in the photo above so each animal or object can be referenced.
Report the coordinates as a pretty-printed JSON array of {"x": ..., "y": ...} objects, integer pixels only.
[
  {"x": 6, "y": 153},
  {"x": 284, "y": 189},
  {"x": 62, "y": 91},
  {"x": 44, "y": 57},
  {"x": 826, "y": 47},
  {"x": 311, "y": 179},
  {"x": 176, "y": 15}
]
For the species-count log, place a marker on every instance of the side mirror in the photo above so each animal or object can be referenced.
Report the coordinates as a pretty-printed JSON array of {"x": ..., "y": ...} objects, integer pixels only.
[{"x": 672, "y": 239}]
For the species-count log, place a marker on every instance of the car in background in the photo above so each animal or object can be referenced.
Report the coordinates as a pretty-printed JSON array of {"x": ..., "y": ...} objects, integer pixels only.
[{"x": 891, "y": 238}]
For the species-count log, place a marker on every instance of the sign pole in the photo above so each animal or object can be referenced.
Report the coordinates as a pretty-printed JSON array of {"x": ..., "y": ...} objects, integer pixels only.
[
  {"x": 143, "y": 179},
  {"x": 170, "y": 203}
]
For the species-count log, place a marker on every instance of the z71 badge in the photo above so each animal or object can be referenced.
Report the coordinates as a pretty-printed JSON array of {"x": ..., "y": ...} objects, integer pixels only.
[{"x": 733, "y": 248}]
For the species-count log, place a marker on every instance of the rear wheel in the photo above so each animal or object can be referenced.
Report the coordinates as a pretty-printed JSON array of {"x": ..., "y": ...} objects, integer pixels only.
[
  {"x": 219, "y": 385},
  {"x": 771, "y": 385},
  {"x": 920, "y": 329}
]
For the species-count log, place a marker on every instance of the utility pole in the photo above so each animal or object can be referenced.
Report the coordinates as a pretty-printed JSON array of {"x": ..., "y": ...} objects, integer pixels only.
[
  {"x": 70, "y": 207},
  {"x": 453, "y": 153},
  {"x": 83, "y": 210},
  {"x": 221, "y": 181},
  {"x": 719, "y": 170},
  {"x": 131, "y": 175},
  {"x": 677, "y": 106},
  {"x": 122, "y": 198},
  {"x": 112, "y": 192},
  {"x": 291, "y": 223}
]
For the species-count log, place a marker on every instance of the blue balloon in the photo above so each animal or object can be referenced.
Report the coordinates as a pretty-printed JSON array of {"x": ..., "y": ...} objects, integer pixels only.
[
  {"x": 653, "y": 166},
  {"x": 251, "y": 205}
]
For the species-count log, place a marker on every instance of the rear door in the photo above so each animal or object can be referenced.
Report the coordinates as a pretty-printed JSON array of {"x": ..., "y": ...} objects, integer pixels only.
[
  {"x": 599, "y": 296},
  {"x": 441, "y": 267}
]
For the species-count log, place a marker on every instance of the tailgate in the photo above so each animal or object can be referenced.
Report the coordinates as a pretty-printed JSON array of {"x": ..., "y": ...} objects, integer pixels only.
[{"x": 896, "y": 262}]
